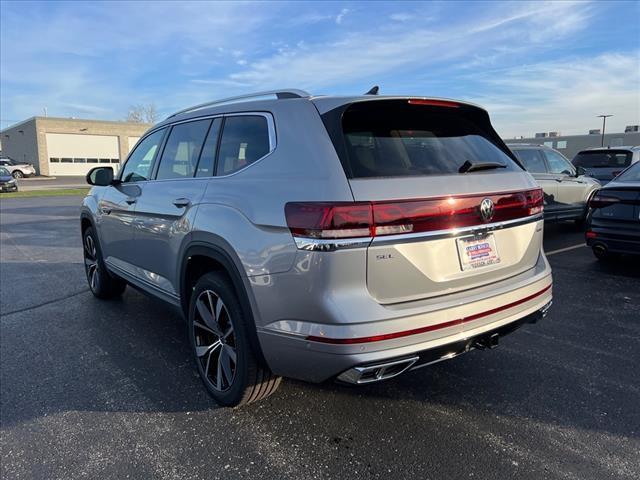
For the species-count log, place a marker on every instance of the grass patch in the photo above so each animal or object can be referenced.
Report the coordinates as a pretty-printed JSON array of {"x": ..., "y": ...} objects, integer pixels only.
[{"x": 58, "y": 192}]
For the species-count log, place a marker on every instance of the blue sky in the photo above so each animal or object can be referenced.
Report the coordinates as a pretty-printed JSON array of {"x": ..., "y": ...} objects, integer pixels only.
[{"x": 536, "y": 66}]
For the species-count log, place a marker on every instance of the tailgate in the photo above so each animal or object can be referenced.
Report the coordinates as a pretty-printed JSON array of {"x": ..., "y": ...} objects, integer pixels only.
[
  {"x": 454, "y": 249},
  {"x": 451, "y": 208}
]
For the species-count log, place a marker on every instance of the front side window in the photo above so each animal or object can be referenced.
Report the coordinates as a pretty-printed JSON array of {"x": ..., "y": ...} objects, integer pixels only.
[
  {"x": 558, "y": 164},
  {"x": 181, "y": 153},
  {"x": 138, "y": 166},
  {"x": 532, "y": 160},
  {"x": 245, "y": 139}
]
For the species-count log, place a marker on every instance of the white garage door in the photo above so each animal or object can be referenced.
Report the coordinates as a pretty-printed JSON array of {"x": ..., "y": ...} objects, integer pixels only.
[
  {"x": 76, "y": 154},
  {"x": 132, "y": 142}
]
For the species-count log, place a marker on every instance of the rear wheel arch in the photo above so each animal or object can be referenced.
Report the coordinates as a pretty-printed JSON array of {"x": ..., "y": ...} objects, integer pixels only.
[
  {"x": 85, "y": 222},
  {"x": 200, "y": 258}
]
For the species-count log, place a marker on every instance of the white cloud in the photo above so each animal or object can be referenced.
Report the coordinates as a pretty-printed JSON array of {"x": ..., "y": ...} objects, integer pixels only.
[
  {"x": 376, "y": 52},
  {"x": 401, "y": 17},
  {"x": 340, "y": 17},
  {"x": 563, "y": 95}
]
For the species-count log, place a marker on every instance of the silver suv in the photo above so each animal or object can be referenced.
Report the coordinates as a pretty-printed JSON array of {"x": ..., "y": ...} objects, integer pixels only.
[
  {"x": 567, "y": 189},
  {"x": 319, "y": 237}
]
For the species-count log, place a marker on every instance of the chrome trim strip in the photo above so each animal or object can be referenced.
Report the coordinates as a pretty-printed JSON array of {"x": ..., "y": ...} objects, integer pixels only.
[
  {"x": 142, "y": 283},
  {"x": 330, "y": 244},
  {"x": 436, "y": 234},
  {"x": 273, "y": 141}
]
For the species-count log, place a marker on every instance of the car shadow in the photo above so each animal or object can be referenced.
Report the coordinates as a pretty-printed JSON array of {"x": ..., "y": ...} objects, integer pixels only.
[{"x": 132, "y": 355}]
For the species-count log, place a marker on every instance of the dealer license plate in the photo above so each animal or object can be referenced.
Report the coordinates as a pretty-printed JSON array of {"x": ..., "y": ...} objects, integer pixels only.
[{"x": 477, "y": 251}]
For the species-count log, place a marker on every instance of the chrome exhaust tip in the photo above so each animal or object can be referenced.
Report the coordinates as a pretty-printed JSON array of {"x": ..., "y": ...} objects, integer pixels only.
[
  {"x": 487, "y": 341},
  {"x": 376, "y": 373}
]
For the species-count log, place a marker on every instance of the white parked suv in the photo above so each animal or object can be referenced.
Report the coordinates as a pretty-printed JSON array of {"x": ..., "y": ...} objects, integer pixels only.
[{"x": 17, "y": 169}]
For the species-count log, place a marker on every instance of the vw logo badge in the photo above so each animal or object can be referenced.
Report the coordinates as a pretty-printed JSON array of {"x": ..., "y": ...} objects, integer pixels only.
[{"x": 486, "y": 209}]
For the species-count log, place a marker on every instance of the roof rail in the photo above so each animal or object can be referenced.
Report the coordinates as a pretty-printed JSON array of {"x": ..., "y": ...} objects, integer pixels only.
[{"x": 280, "y": 94}]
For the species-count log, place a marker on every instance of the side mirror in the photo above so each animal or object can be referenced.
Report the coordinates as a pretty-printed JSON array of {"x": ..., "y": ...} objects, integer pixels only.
[
  {"x": 100, "y": 176},
  {"x": 580, "y": 171}
]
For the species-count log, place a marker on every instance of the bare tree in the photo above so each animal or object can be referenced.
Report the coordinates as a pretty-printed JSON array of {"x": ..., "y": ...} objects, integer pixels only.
[{"x": 143, "y": 113}]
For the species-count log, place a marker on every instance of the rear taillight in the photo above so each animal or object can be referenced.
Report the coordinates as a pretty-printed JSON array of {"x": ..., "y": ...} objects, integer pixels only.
[
  {"x": 590, "y": 234},
  {"x": 601, "y": 201},
  {"x": 374, "y": 219},
  {"x": 329, "y": 220}
]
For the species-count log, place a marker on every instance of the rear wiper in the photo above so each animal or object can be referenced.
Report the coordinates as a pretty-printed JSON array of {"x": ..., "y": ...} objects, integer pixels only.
[{"x": 474, "y": 167}]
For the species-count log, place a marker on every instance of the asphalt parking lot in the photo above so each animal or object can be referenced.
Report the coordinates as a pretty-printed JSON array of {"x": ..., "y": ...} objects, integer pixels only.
[{"x": 107, "y": 390}]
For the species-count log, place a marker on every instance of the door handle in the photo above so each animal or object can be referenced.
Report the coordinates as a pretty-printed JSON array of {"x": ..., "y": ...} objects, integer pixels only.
[
  {"x": 131, "y": 200},
  {"x": 182, "y": 202},
  {"x": 559, "y": 180}
]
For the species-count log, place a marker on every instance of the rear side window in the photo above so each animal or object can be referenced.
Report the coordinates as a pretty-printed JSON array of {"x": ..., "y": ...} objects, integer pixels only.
[
  {"x": 603, "y": 159},
  {"x": 532, "y": 160},
  {"x": 245, "y": 139},
  {"x": 208, "y": 155},
  {"x": 182, "y": 150},
  {"x": 395, "y": 138}
]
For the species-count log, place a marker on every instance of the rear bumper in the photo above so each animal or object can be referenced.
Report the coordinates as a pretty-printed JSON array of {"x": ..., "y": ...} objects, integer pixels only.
[
  {"x": 9, "y": 187},
  {"x": 613, "y": 243},
  {"x": 319, "y": 352},
  {"x": 369, "y": 373},
  {"x": 622, "y": 237}
]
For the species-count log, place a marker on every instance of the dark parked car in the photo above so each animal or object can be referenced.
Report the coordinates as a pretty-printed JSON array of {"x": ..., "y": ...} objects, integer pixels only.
[
  {"x": 613, "y": 222},
  {"x": 7, "y": 182},
  {"x": 605, "y": 163}
]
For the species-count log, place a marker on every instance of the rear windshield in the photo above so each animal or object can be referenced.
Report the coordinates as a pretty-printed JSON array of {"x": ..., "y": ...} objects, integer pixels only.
[
  {"x": 393, "y": 138},
  {"x": 600, "y": 159},
  {"x": 630, "y": 175}
]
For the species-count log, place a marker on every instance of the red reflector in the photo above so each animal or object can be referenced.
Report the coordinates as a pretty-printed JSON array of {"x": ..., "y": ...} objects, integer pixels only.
[
  {"x": 429, "y": 328},
  {"x": 591, "y": 234},
  {"x": 371, "y": 219},
  {"x": 433, "y": 103}
]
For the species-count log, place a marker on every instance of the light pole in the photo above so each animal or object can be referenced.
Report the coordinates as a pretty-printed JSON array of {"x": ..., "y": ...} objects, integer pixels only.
[{"x": 604, "y": 122}]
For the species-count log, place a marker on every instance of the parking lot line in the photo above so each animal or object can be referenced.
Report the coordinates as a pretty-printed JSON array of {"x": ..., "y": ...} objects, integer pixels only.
[{"x": 566, "y": 249}]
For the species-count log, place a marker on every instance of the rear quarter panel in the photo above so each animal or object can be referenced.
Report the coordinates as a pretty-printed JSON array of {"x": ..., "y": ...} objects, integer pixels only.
[{"x": 246, "y": 208}]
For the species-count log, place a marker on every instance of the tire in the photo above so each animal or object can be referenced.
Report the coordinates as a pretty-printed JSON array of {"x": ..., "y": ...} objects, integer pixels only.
[
  {"x": 101, "y": 283},
  {"x": 17, "y": 174},
  {"x": 601, "y": 253},
  {"x": 219, "y": 335}
]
